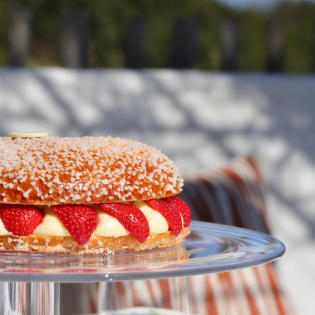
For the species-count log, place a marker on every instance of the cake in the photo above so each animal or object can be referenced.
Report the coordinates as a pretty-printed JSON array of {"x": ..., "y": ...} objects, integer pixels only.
[{"x": 87, "y": 196}]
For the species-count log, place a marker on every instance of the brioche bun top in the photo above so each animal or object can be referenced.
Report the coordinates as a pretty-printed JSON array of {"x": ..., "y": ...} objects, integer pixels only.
[{"x": 53, "y": 170}]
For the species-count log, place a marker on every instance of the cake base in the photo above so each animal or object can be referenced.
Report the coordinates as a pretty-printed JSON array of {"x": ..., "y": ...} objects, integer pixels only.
[{"x": 97, "y": 245}]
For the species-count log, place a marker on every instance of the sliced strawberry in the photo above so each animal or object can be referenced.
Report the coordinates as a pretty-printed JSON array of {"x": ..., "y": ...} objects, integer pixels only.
[
  {"x": 81, "y": 221},
  {"x": 169, "y": 212},
  {"x": 182, "y": 207},
  {"x": 21, "y": 220},
  {"x": 133, "y": 220}
]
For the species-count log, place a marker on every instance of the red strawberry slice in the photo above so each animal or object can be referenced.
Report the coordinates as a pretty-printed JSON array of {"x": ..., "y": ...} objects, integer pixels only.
[
  {"x": 21, "y": 220},
  {"x": 133, "y": 220},
  {"x": 182, "y": 207},
  {"x": 169, "y": 212},
  {"x": 81, "y": 221}
]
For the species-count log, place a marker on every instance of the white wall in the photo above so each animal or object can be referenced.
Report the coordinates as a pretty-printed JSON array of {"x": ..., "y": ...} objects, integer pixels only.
[{"x": 200, "y": 120}]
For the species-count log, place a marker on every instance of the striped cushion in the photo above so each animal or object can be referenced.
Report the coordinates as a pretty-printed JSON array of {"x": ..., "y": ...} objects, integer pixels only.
[{"x": 233, "y": 195}]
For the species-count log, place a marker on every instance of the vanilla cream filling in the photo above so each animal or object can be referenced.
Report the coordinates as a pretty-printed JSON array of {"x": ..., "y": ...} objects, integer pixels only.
[
  {"x": 108, "y": 225},
  {"x": 157, "y": 223},
  {"x": 3, "y": 230},
  {"x": 51, "y": 225}
]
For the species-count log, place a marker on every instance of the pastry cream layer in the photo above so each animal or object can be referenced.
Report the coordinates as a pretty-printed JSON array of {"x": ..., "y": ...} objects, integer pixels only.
[
  {"x": 51, "y": 225},
  {"x": 108, "y": 225},
  {"x": 3, "y": 230},
  {"x": 157, "y": 223}
]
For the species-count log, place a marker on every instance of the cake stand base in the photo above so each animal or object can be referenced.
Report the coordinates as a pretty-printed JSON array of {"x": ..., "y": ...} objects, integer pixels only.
[
  {"x": 111, "y": 303},
  {"x": 210, "y": 248},
  {"x": 34, "y": 298}
]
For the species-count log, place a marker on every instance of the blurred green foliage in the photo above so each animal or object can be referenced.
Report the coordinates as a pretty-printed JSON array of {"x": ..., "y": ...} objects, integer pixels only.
[
  {"x": 109, "y": 23},
  {"x": 3, "y": 32}
]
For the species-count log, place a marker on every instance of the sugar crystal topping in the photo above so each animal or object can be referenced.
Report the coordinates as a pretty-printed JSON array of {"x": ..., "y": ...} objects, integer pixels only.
[{"x": 79, "y": 170}]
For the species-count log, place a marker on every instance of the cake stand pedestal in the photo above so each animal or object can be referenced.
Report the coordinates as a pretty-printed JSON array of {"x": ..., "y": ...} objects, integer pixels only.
[
  {"x": 32, "y": 282},
  {"x": 32, "y": 298}
]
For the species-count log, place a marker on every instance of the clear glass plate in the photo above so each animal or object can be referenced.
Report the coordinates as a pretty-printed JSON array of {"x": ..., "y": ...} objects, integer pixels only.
[{"x": 210, "y": 248}]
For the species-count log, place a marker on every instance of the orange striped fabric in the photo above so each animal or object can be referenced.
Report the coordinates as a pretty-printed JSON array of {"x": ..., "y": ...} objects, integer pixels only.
[
  {"x": 233, "y": 195},
  {"x": 251, "y": 291}
]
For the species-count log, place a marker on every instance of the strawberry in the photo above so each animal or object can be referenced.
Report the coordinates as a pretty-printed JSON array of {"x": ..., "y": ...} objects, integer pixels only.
[
  {"x": 130, "y": 217},
  {"x": 81, "y": 221},
  {"x": 169, "y": 212},
  {"x": 21, "y": 220},
  {"x": 182, "y": 207}
]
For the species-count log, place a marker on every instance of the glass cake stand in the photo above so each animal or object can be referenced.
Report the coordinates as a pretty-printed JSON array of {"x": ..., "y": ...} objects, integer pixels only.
[{"x": 32, "y": 281}]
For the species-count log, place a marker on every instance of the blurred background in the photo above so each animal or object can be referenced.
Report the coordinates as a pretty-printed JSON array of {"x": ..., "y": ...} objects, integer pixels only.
[
  {"x": 109, "y": 33},
  {"x": 204, "y": 81}
]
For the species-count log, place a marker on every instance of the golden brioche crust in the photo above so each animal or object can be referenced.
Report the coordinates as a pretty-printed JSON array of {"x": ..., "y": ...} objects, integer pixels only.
[
  {"x": 97, "y": 245},
  {"x": 86, "y": 170}
]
